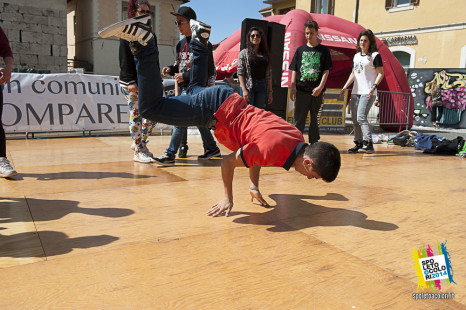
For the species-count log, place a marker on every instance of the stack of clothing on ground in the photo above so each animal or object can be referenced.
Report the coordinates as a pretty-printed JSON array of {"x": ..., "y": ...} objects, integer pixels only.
[
  {"x": 430, "y": 144},
  {"x": 439, "y": 145}
]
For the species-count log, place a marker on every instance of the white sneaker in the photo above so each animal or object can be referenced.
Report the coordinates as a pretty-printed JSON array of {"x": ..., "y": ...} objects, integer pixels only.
[
  {"x": 133, "y": 29},
  {"x": 143, "y": 158},
  {"x": 6, "y": 170},
  {"x": 146, "y": 150},
  {"x": 200, "y": 31}
]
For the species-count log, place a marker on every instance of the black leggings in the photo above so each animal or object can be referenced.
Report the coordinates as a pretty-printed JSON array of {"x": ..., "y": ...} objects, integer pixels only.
[
  {"x": 2, "y": 131},
  {"x": 437, "y": 113}
]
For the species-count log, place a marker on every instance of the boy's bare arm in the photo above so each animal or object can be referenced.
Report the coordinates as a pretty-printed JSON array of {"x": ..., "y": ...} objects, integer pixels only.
[
  {"x": 254, "y": 173},
  {"x": 229, "y": 163}
]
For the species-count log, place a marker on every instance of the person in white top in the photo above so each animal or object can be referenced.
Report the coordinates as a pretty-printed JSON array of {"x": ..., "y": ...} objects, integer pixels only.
[{"x": 367, "y": 74}]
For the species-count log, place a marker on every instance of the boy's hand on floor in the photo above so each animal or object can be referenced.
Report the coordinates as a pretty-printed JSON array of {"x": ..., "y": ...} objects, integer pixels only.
[
  {"x": 255, "y": 193},
  {"x": 223, "y": 206}
]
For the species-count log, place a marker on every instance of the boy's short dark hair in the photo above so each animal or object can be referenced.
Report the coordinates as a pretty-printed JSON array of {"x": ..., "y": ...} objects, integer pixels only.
[
  {"x": 312, "y": 24},
  {"x": 326, "y": 158}
]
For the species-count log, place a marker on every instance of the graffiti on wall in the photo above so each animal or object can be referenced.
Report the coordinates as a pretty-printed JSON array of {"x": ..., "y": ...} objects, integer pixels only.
[{"x": 439, "y": 97}]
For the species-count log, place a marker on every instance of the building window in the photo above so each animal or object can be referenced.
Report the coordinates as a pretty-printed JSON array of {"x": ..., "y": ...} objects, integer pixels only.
[
  {"x": 322, "y": 6},
  {"x": 401, "y": 2},
  {"x": 392, "y": 5},
  {"x": 404, "y": 59},
  {"x": 286, "y": 10},
  {"x": 405, "y": 55}
]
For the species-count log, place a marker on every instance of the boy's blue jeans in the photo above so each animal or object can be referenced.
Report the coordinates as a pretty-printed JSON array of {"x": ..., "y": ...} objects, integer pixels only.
[
  {"x": 179, "y": 137},
  {"x": 190, "y": 110},
  {"x": 258, "y": 93}
]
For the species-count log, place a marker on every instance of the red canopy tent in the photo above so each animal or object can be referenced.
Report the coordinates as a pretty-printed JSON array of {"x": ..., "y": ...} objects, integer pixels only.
[{"x": 340, "y": 36}]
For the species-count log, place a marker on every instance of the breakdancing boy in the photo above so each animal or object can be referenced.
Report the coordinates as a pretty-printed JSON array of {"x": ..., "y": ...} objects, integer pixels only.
[{"x": 256, "y": 137}]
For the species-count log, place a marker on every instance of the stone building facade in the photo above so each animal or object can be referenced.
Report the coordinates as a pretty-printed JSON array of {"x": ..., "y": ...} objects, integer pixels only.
[
  {"x": 100, "y": 56},
  {"x": 37, "y": 33}
]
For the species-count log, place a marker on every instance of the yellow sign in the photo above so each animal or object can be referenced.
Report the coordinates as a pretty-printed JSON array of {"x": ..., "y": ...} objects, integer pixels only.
[{"x": 332, "y": 114}]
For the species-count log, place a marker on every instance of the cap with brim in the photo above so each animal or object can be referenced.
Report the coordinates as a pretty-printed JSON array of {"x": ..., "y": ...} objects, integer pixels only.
[{"x": 186, "y": 12}]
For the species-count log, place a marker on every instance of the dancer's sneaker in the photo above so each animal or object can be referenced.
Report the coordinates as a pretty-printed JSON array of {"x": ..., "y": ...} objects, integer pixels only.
[
  {"x": 200, "y": 31},
  {"x": 165, "y": 160},
  {"x": 367, "y": 148},
  {"x": 145, "y": 149},
  {"x": 210, "y": 153},
  {"x": 6, "y": 170},
  {"x": 142, "y": 157},
  {"x": 356, "y": 148},
  {"x": 133, "y": 29},
  {"x": 183, "y": 153}
]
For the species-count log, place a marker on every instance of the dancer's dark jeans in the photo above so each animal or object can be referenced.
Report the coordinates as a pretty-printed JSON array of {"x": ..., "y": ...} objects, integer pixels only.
[{"x": 184, "y": 111}]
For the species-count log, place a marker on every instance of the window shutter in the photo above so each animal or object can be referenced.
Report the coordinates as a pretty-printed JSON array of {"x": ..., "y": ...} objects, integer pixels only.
[
  {"x": 313, "y": 6},
  {"x": 388, "y": 4},
  {"x": 331, "y": 7}
]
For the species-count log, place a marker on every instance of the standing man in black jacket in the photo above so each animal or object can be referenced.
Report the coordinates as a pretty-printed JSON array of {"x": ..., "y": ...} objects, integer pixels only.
[{"x": 180, "y": 70}]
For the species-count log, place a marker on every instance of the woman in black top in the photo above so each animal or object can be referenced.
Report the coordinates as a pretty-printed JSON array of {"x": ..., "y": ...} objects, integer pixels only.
[{"x": 254, "y": 71}]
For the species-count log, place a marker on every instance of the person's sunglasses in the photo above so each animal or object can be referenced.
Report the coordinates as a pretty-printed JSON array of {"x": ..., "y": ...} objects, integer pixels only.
[
  {"x": 255, "y": 36},
  {"x": 144, "y": 11},
  {"x": 181, "y": 23}
]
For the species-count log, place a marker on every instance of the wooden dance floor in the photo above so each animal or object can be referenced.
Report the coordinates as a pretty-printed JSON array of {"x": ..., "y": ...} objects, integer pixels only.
[{"x": 83, "y": 226}]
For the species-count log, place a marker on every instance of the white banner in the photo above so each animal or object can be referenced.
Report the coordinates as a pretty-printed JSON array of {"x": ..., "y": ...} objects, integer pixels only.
[{"x": 64, "y": 102}]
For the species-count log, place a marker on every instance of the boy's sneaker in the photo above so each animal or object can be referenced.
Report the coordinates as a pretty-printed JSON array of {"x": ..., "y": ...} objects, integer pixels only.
[
  {"x": 200, "y": 31},
  {"x": 145, "y": 150},
  {"x": 355, "y": 148},
  {"x": 133, "y": 29},
  {"x": 183, "y": 153},
  {"x": 143, "y": 158},
  {"x": 209, "y": 154},
  {"x": 367, "y": 148},
  {"x": 6, "y": 170},
  {"x": 165, "y": 160}
]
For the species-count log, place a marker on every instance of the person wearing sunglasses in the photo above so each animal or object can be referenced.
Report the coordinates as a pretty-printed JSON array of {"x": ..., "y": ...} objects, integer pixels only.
[
  {"x": 140, "y": 128},
  {"x": 254, "y": 70},
  {"x": 181, "y": 71}
]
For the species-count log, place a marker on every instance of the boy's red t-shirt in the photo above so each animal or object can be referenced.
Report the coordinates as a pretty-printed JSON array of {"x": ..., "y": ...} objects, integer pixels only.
[{"x": 264, "y": 138}]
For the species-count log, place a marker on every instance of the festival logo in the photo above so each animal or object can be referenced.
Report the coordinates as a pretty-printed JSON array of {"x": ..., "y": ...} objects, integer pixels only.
[{"x": 433, "y": 267}]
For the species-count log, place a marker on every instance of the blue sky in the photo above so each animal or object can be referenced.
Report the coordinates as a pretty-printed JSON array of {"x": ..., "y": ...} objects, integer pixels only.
[{"x": 225, "y": 16}]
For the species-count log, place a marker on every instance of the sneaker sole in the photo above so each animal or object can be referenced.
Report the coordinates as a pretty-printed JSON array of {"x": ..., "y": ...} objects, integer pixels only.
[
  {"x": 109, "y": 31},
  {"x": 366, "y": 152},
  {"x": 164, "y": 164},
  {"x": 9, "y": 175},
  {"x": 211, "y": 156}
]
